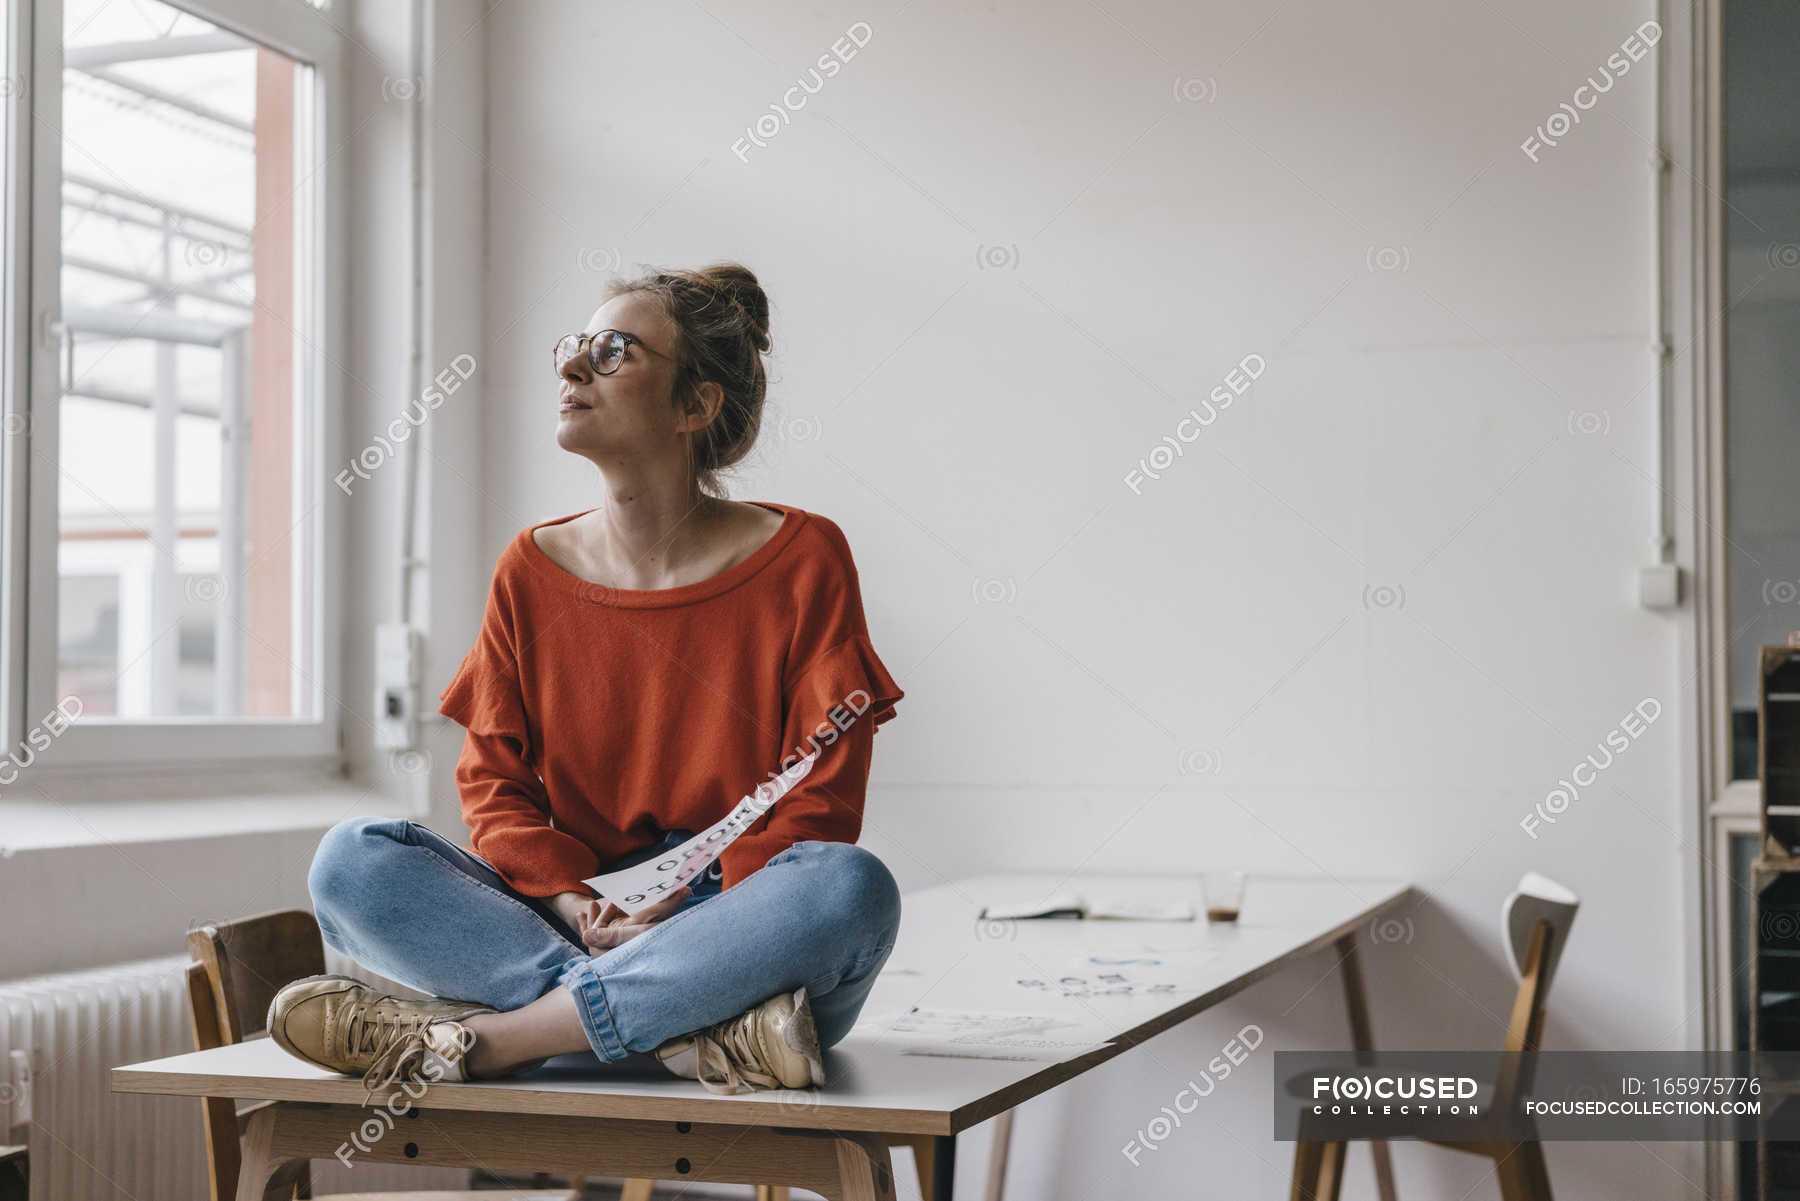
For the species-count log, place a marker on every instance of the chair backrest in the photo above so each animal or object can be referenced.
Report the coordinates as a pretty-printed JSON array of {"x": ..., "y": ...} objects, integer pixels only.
[
  {"x": 1535, "y": 922},
  {"x": 1537, "y": 899},
  {"x": 248, "y": 961},
  {"x": 238, "y": 967}
]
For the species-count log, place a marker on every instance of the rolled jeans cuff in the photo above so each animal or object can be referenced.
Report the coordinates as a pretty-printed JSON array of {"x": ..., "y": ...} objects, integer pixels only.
[{"x": 591, "y": 1007}]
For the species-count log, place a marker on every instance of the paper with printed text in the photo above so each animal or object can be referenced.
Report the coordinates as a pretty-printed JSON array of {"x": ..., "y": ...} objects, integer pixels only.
[
  {"x": 639, "y": 887},
  {"x": 982, "y": 1034}
]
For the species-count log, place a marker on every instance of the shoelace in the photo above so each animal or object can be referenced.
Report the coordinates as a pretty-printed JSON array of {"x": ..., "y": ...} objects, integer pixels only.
[
  {"x": 396, "y": 1038},
  {"x": 397, "y": 1061},
  {"x": 730, "y": 1047}
]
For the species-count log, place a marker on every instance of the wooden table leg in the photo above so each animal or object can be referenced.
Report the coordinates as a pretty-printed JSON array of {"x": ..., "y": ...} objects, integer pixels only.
[
  {"x": 1522, "y": 1174},
  {"x": 1331, "y": 1170},
  {"x": 838, "y": 1165},
  {"x": 1362, "y": 1037},
  {"x": 996, "y": 1187},
  {"x": 1305, "y": 1185},
  {"x": 943, "y": 1167},
  {"x": 865, "y": 1172},
  {"x": 924, "y": 1157}
]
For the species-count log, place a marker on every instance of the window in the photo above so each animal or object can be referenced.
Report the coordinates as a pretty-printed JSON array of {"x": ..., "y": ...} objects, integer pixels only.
[
  {"x": 15, "y": 398},
  {"x": 1761, "y": 349},
  {"x": 1746, "y": 278},
  {"x": 176, "y": 594}
]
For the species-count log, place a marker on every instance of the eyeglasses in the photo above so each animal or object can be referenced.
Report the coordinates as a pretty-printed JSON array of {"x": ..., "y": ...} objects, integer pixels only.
[{"x": 605, "y": 350}]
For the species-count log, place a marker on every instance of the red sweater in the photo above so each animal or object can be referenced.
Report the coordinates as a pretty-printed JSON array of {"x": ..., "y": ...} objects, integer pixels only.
[{"x": 599, "y": 717}]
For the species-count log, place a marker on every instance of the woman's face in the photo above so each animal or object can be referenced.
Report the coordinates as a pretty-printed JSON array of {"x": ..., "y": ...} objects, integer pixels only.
[{"x": 630, "y": 411}]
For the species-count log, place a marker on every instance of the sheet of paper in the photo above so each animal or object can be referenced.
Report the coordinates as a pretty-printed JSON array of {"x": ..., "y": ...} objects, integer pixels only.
[
  {"x": 982, "y": 1034},
  {"x": 958, "y": 1023},
  {"x": 1102, "y": 984},
  {"x": 1170, "y": 962},
  {"x": 1124, "y": 972},
  {"x": 640, "y": 886},
  {"x": 1024, "y": 1047}
]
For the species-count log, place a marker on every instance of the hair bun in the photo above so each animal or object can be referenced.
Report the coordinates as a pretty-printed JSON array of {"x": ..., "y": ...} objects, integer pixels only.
[
  {"x": 739, "y": 282},
  {"x": 723, "y": 319}
]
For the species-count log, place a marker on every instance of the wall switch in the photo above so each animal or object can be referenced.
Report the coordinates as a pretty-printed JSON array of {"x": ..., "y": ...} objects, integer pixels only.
[
  {"x": 396, "y": 685},
  {"x": 1659, "y": 586}
]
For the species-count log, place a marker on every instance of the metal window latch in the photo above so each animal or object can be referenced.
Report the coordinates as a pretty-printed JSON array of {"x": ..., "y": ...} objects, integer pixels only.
[{"x": 54, "y": 335}]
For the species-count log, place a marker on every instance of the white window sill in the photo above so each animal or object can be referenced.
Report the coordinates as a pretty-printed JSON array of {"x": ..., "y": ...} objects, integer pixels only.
[{"x": 76, "y": 811}]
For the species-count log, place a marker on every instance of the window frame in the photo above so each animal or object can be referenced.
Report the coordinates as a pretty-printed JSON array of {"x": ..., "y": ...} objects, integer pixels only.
[
  {"x": 309, "y": 36},
  {"x": 15, "y": 393}
]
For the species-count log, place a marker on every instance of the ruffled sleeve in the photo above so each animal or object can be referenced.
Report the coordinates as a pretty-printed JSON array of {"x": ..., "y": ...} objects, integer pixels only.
[
  {"x": 483, "y": 696},
  {"x": 846, "y": 683},
  {"x": 834, "y": 708},
  {"x": 832, "y": 703}
]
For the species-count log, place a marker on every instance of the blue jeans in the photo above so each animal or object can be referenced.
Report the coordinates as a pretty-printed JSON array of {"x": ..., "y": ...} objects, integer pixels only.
[{"x": 410, "y": 904}]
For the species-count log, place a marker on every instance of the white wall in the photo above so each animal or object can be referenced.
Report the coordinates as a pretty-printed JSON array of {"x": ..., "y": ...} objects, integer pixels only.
[
  {"x": 1383, "y": 603},
  {"x": 1201, "y": 674}
]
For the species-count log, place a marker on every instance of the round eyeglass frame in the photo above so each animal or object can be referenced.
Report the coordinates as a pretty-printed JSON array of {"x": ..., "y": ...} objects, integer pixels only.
[{"x": 585, "y": 344}]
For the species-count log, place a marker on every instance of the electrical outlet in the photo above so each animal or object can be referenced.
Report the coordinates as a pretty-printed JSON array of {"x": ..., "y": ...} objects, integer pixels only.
[{"x": 396, "y": 685}]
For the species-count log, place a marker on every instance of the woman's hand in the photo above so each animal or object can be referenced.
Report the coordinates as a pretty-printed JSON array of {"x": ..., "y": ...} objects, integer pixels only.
[
  {"x": 603, "y": 925},
  {"x": 612, "y": 926},
  {"x": 576, "y": 909}
]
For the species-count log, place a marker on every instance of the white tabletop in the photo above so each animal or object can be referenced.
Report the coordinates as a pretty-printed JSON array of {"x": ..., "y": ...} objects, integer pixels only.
[{"x": 945, "y": 959}]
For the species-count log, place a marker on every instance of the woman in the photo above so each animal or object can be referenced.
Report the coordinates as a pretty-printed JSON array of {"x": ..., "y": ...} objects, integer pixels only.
[{"x": 641, "y": 667}]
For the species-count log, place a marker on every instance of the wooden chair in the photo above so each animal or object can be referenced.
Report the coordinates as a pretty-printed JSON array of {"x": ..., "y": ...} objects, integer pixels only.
[
  {"x": 238, "y": 967},
  {"x": 1535, "y": 922},
  {"x": 15, "y": 1173},
  {"x": 924, "y": 1151}
]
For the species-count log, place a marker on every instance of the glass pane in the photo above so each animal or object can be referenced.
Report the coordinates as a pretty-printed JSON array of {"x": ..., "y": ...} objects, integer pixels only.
[
  {"x": 11, "y": 423},
  {"x": 1762, "y": 345},
  {"x": 182, "y": 584}
]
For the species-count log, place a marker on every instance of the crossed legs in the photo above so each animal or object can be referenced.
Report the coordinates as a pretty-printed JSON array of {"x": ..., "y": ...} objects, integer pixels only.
[{"x": 409, "y": 904}]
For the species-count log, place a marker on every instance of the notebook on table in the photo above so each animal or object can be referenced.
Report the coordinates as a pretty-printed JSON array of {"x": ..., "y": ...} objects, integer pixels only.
[{"x": 1067, "y": 904}]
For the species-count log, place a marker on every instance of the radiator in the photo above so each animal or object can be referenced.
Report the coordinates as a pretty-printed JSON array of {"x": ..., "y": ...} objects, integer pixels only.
[{"x": 60, "y": 1036}]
